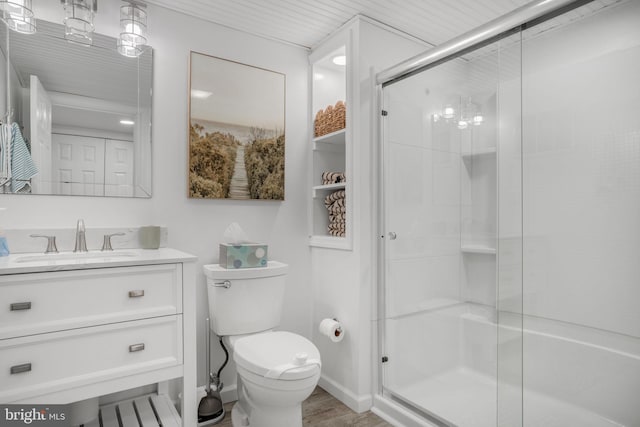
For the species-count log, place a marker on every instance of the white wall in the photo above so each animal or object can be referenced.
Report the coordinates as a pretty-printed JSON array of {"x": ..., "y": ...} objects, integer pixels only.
[{"x": 196, "y": 226}]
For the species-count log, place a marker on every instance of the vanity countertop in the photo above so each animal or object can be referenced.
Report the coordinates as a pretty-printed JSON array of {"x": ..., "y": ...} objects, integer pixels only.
[{"x": 39, "y": 262}]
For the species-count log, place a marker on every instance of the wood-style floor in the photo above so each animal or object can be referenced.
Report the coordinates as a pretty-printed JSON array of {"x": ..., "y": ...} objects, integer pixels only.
[{"x": 323, "y": 410}]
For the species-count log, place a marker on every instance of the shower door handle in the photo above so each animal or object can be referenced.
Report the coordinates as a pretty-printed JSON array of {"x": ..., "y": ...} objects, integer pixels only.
[{"x": 392, "y": 235}]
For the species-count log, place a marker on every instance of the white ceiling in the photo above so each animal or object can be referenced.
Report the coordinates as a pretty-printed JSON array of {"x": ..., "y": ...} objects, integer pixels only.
[{"x": 307, "y": 22}]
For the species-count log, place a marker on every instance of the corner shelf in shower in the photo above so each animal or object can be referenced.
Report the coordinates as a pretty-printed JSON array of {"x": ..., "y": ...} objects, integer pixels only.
[
  {"x": 484, "y": 152},
  {"x": 477, "y": 249}
]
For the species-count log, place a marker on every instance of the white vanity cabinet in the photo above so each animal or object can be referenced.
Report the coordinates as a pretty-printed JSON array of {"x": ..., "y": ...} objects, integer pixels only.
[{"x": 90, "y": 329}]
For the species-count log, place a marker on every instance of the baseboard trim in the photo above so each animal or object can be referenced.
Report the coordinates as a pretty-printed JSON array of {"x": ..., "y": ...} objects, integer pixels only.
[{"x": 356, "y": 403}]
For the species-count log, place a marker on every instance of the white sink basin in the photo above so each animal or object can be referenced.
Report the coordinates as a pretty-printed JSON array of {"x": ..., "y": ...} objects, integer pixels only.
[{"x": 80, "y": 256}]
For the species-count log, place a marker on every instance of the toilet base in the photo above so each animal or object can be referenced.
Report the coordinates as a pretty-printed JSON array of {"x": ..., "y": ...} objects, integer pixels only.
[
  {"x": 276, "y": 416},
  {"x": 238, "y": 416}
]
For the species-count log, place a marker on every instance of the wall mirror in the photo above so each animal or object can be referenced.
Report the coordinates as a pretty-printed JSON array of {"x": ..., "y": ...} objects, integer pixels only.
[{"x": 84, "y": 113}]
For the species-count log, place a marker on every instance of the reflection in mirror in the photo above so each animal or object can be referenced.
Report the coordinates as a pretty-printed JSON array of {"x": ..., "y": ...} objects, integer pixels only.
[{"x": 84, "y": 113}]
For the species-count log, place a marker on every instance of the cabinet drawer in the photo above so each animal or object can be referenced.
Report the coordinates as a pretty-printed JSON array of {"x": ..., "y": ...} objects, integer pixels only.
[
  {"x": 45, "y": 302},
  {"x": 49, "y": 363}
]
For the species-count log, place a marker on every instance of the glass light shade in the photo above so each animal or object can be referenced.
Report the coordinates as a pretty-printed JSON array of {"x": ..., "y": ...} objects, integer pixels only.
[
  {"x": 478, "y": 119},
  {"x": 462, "y": 124},
  {"x": 18, "y": 15},
  {"x": 435, "y": 117},
  {"x": 133, "y": 25},
  {"x": 126, "y": 48},
  {"x": 448, "y": 112},
  {"x": 78, "y": 20},
  {"x": 26, "y": 25}
]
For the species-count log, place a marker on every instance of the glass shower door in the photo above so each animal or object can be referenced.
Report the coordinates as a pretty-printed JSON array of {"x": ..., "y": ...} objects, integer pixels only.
[
  {"x": 511, "y": 223},
  {"x": 581, "y": 180},
  {"x": 443, "y": 285}
]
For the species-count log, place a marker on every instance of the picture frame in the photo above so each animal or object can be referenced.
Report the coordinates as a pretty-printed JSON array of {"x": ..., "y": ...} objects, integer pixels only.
[{"x": 236, "y": 130}]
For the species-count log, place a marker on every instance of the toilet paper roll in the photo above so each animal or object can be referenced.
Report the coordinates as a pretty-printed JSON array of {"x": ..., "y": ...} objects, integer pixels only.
[{"x": 332, "y": 329}]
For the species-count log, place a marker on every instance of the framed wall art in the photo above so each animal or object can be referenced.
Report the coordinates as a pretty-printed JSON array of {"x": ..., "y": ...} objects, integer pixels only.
[{"x": 236, "y": 130}]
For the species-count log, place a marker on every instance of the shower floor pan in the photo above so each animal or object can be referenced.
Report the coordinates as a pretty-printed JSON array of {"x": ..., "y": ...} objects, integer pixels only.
[
  {"x": 468, "y": 399},
  {"x": 150, "y": 410}
]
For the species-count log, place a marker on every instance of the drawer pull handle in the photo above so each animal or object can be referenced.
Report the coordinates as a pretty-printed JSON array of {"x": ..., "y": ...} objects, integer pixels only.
[
  {"x": 136, "y": 294},
  {"x": 21, "y": 306},
  {"x": 136, "y": 347},
  {"x": 18, "y": 369}
]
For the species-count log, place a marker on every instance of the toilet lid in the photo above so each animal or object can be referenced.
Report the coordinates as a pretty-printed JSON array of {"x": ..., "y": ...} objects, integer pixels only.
[{"x": 280, "y": 355}]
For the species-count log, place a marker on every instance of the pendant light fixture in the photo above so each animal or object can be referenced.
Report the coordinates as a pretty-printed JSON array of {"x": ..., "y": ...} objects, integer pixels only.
[
  {"x": 78, "y": 20},
  {"x": 18, "y": 15},
  {"x": 133, "y": 29}
]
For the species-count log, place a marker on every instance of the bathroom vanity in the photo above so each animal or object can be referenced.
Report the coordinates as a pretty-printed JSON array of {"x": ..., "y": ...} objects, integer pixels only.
[{"x": 77, "y": 326}]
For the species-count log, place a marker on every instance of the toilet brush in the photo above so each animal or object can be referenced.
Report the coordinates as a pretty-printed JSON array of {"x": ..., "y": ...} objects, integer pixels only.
[{"x": 210, "y": 409}]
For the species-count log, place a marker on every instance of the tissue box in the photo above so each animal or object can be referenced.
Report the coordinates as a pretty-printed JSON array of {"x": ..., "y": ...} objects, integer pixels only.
[{"x": 245, "y": 255}]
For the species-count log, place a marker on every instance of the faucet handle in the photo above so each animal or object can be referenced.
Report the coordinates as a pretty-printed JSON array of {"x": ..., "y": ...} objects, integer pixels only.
[
  {"x": 51, "y": 243},
  {"x": 106, "y": 243}
]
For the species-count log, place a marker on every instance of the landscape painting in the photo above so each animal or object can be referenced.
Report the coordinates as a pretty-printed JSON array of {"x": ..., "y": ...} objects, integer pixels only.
[{"x": 236, "y": 130}]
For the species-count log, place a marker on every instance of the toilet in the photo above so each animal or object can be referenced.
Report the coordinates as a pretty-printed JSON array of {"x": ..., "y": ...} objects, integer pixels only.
[{"x": 277, "y": 370}]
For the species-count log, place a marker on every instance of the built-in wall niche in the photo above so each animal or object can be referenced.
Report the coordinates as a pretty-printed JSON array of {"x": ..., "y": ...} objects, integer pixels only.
[
  {"x": 478, "y": 181},
  {"x": 478, "y": 188},
  {"x": 58, "y": 87},
  {"x": 330, "y": 169}
]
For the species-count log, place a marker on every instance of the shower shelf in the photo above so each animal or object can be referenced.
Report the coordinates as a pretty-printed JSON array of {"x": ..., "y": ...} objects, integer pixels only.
[
  {"x": 492, "y": 151},
  {"x": 478, "y": 249}
]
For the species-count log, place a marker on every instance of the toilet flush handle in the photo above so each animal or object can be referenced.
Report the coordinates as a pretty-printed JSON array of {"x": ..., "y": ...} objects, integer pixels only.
[{"x": 226, "y": 284}]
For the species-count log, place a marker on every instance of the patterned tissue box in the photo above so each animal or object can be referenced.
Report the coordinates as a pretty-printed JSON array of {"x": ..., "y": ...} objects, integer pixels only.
[{"x": 244, "y": 255}]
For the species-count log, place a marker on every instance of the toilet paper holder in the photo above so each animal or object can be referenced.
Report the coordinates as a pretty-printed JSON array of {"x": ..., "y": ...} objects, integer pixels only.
[
  {"x": 339, "y": 330},
  {"x": 332, "y": 328}
]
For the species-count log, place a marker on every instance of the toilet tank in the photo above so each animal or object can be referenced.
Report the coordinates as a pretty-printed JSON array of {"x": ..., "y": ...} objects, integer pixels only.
[{"x": 246, "y": 300}]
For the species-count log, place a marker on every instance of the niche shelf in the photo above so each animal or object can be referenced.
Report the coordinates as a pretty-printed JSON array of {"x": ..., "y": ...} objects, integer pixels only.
[
  {"x": 337, "y": 137},
  {"x": 320, "y": 190}
]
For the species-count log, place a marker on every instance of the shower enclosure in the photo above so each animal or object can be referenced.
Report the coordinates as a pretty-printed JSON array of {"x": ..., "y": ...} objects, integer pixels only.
[{"x": 510, "y": 217}]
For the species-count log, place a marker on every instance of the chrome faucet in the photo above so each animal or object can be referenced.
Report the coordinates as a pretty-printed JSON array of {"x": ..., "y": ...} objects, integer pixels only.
[{"x": 81, "y": 241}]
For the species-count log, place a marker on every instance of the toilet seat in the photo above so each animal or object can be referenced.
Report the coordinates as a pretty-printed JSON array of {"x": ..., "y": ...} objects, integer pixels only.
[{"x": 277, "y": 355}]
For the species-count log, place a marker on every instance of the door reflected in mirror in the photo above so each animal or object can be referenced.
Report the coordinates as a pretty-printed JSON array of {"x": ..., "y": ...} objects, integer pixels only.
[{"x": 76, "y": 118}]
